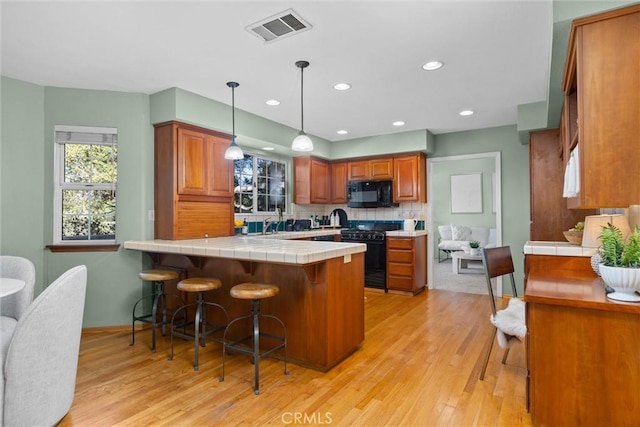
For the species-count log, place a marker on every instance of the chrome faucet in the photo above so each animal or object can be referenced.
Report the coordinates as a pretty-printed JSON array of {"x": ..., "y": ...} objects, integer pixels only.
[{"x": 266, "y": 223}]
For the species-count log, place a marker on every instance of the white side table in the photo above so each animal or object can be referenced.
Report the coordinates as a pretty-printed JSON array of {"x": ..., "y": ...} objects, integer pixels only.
[
  {"x": 10, "y": 286},
  {"x": 460, "y": 260}
]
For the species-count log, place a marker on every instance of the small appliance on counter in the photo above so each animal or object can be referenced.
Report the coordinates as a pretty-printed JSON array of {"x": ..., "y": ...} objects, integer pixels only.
[
  {"x": 302, "y": 225},
  {"x": 343, "y": 221}
]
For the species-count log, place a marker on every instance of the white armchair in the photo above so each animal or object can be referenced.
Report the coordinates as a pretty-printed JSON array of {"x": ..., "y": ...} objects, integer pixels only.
[
  {"x": 12, "y": 306},
  {"x": 41, "y": 361}
]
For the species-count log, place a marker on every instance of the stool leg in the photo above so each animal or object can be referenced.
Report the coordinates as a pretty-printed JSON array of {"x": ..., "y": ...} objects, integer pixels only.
[
  {"x": 196, "y": 341},
  {"x": 157, "y": 294},
  {"x": 255, "y": 310}
]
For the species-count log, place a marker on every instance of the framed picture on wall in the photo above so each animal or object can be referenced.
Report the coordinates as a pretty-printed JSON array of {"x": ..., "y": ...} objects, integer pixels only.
[{"x": 466, "y": 193}]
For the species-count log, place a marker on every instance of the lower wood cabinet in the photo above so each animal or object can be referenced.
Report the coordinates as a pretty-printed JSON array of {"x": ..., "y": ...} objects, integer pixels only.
[{"x": 407, "y": 263}]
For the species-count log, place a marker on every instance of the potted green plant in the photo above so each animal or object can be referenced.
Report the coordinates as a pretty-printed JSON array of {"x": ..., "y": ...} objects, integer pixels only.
[
  {"x": 574, "y": 234},
  {"x": 474, "y": 248},
  {"x": 620, "y": 262}
]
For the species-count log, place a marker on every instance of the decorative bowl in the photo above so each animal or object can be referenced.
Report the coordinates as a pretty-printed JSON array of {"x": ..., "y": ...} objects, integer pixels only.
[
  {"x": 624, "y": 281},
  {"x": 573, "y": 237}
]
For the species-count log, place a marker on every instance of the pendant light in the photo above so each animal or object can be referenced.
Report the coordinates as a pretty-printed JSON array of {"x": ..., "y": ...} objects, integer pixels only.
[
  {"x": 302, "y": 142},
  {"x": 233, "y": 151}
]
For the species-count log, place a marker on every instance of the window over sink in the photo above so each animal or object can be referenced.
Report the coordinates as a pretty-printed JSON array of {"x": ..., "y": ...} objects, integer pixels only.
[{"x": 259, "y": 185}]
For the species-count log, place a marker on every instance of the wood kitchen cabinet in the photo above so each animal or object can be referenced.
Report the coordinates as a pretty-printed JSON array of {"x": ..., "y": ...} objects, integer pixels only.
[
  {"x": 377, "y": 169},
  {"x": 410, "y": 178},
  {"x": 549, "y": 213},
  {"x": 312, "y": 180},
  {"x": 582, "y": 348},
  {"x": 193, "y": 182},
  {"x": 407, "y": 263},
  {"x": 339, "y": 182},
  {"x": 602, "y": 78}
]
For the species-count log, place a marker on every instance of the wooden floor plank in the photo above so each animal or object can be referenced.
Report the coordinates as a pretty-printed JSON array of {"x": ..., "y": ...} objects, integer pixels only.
[{"x": 418, "y": 366}]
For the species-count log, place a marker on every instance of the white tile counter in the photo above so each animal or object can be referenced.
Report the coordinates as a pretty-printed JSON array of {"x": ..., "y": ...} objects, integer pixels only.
[
  {"x": 557, "y": 249},
  {"x": 402, "y": 233},
  {"x": 270, "y": 248}
]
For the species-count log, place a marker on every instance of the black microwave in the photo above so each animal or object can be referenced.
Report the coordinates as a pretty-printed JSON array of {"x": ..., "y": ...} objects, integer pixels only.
[{"x": 370, "y": 194}]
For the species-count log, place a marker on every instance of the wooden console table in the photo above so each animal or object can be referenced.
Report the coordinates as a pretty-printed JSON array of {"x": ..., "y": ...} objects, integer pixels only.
[{"x": 583, "y": 349}]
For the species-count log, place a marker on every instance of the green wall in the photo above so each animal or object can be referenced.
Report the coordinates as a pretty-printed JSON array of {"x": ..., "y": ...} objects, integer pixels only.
[
  {"x": 22, "y": 173},
  {"x": 514, "y": 174}
]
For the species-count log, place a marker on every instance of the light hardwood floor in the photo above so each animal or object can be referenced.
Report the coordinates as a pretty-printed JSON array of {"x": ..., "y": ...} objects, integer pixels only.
[{"x": 418, "y": 366}]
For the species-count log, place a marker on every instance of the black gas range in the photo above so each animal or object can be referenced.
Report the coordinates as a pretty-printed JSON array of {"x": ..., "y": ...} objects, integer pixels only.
[{"x": 375, "y": 259}]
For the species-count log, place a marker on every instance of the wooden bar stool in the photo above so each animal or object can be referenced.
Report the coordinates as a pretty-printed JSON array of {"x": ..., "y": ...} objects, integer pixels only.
[
  {"x": 199, "y": 285},
  {"x": 255, "y": 292},
  {"x": 158, "y": 297}
]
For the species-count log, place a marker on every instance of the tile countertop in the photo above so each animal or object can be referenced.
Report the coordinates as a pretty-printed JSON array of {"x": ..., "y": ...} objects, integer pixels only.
[
  {"x": 402, "y": 233},
  {"x": 557, "y": 249},
  {"x": 269, "y": 248}
]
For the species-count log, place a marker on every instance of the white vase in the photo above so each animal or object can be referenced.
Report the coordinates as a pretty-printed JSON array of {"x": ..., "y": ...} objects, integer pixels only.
[
  {"x": 474, "y": 251},
  {"x": 624, "y": 281}
]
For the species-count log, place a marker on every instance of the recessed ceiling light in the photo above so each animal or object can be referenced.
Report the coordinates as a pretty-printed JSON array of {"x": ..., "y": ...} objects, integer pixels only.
[
  {"x": 466, "y": 112},
  {"x": 342, "y": 132},
  {"x": 398, "y": 123},
  {"x": 268, "y": 148},
  {"x": 273, "y": 102},
  {"x": 432, "y": 65},
  {"x": 342, "y": 86}
]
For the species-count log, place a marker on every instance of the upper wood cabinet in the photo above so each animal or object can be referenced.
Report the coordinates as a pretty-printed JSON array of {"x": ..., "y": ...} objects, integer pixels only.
[
  {"x": 193, "y": 183},
  {"x": 549, "y": 213},
  {"x": 410, "y": 178},
  {"x": 339, "y": 182},
  {"x": 312, "y": 180},
  {"x": 602, "y": 79},
  {"x": 202, "y": 168},
  {"x": 374, "y": 169}
]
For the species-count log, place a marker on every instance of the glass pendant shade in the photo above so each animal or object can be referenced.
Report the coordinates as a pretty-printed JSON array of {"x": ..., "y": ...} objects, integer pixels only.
[
  {"x": 302, "y": 142},
  {"x": 233, "y": 151}
]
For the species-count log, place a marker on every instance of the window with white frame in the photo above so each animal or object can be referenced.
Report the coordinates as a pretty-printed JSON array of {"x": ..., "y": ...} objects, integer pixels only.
[
  {"x": 259, "y": 185},
  {"x": 86, "y": 173}
]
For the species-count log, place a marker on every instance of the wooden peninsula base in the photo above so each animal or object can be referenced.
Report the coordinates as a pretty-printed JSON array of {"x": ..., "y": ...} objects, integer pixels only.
[{"x": 321, "y": 304}]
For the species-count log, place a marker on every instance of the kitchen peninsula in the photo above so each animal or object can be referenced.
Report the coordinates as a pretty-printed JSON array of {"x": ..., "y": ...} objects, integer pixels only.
[{"x": 321, "y": 299}]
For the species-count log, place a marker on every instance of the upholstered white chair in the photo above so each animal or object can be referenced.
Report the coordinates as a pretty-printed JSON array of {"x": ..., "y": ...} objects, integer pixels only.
[
  {"x": 41, "y": 361},
  {"x": 509, "y": 323}
]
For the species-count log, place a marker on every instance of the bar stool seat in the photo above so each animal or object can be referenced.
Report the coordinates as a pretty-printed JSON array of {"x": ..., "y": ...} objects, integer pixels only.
[
  {"x": 255, "y": 292},
  {"x": 158, "y": 277},
  {"x": 198, "y": 285}
]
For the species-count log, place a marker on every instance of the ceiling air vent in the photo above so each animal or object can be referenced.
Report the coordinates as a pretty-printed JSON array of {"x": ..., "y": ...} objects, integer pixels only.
[{"x": 278, "y": 26}]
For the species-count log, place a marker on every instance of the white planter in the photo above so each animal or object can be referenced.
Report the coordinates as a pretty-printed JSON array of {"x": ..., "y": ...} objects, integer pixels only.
[
  {"x": 625, "y": 282},
  {"x": 474, "y": 251}
]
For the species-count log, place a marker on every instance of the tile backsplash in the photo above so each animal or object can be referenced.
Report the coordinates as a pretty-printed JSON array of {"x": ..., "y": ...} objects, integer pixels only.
[{"x": 395, "y": 214}]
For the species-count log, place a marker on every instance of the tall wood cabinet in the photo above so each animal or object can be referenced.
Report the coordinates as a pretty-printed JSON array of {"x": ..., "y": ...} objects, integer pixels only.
[
  {"x": 193, "y": 182},
  {"x": 407, "y": 263},
  {"x": 339, "y": 182},
  {"x": 312, "y": 180},
  {"x": 602, "y": 107},
  {"x": 409, "y": 178},
  {"x": 549, "y": 213}
]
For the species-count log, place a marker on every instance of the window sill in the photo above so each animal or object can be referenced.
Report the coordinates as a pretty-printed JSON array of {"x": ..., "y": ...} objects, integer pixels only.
[{"x": 84, "y": 248}]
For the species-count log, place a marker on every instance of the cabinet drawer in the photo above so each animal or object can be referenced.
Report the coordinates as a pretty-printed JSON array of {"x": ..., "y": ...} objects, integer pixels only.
[
  {"x": 400, "y": 283},
  {"x": 400, "y": 256},
  {"x": 400, "y": 269},
  {"x": 400, "y": 243}
]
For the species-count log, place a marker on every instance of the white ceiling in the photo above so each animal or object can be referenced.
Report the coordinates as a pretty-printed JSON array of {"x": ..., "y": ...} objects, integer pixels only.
[{"x": 496, "y": 57}]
